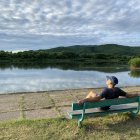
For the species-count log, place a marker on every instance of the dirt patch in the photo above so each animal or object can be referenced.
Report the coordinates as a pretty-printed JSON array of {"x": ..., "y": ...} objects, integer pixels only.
[
  {"x": 37, "y": 101},
  {"x": 9, "y": 116},
  {"x": 42, "y": 113}
]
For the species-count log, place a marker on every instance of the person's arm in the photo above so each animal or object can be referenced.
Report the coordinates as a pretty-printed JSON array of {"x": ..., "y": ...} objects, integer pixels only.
[
  {"x": 93, "y": 99},
  {"x": 130, "y": 95},
  {"x": 127, "y": 95}
]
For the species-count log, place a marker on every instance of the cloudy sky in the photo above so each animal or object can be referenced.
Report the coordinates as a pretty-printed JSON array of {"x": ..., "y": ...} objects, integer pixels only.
[{"x": 42, "y": 24}]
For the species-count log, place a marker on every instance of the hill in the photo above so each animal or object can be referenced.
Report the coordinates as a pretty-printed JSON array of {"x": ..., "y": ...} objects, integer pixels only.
[
  {"x": 112, "y": 49},
  {"x": 82, "y": 54}
]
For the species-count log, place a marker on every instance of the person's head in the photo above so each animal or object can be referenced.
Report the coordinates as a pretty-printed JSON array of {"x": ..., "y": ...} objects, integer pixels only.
[{"x": 111, "y": 81}]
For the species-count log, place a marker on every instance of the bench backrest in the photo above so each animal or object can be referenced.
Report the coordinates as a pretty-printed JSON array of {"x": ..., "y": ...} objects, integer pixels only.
[{"x": 104, "y": 103}]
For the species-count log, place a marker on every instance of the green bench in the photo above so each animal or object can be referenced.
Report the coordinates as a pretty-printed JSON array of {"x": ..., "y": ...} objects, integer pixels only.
[{"x": 87, "y": 109}]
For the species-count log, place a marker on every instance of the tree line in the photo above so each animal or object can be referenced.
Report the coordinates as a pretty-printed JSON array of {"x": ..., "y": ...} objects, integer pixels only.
[{"x": 37, "y": 55}]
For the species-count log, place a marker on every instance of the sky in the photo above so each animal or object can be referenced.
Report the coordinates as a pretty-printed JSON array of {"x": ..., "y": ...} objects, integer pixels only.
[{"x": 43, "y": 24}]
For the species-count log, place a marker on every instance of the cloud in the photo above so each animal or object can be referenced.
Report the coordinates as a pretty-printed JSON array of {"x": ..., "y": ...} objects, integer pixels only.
[{"x": 96, "y": 20}]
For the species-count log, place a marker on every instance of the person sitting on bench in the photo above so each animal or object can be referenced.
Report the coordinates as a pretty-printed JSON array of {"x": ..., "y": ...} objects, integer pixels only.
[{"x": 110, "y": 92}]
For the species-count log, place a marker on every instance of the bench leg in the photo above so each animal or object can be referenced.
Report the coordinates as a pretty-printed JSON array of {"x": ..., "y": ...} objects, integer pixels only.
[
  {"x": 79, "y": 123},
  {"x": 134, "y": 113}
]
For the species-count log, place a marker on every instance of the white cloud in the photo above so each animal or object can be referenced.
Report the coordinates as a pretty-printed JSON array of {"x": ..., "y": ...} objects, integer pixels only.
[{"x": 98, "y": 19}]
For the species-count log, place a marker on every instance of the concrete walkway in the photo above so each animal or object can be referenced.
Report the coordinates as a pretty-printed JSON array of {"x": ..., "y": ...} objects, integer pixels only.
[{"x": 49, "y": 104}]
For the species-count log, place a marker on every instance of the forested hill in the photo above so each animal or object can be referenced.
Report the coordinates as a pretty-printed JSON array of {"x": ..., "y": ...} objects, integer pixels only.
[
  {"x": 108, "y": 52},
  {"x": 111, "y": 49}
]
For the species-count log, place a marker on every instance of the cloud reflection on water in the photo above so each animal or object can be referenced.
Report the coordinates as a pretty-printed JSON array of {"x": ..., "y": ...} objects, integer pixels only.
[{"x": 31, "y": 80}]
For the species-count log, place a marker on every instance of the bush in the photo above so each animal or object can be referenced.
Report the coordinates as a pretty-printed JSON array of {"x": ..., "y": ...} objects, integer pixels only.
[{"x": 134, "y": 63}]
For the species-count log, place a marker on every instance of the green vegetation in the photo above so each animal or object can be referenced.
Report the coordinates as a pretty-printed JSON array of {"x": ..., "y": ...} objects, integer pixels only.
[
  {"x": 116, "y": 127},
  {"x": 109, "y": 49},
  {"x": 135, "y": 67},
  {"x": 135, "y": 73},
  {"x": 87, "y": 54},
  {"x": 135, "y": 63},
  {"x": 86, "y": 57}
]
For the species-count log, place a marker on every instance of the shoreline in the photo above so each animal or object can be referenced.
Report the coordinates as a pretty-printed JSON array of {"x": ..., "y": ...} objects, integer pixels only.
[{"x": 62, "y": 90}]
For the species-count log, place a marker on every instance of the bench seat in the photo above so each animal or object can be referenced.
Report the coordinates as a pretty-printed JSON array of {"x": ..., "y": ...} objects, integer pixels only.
[{"x": 98, "y": 112}]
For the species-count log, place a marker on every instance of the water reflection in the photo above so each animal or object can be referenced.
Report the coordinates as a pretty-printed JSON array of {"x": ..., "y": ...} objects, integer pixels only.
[
  {"x": 103, "y": 67},
  {"x": 33, "y": 79},
  {"x": 135, "y": 73}
]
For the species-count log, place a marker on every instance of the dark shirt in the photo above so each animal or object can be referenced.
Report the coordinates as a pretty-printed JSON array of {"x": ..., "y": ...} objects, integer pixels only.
[{"x": 111, "y": 93}]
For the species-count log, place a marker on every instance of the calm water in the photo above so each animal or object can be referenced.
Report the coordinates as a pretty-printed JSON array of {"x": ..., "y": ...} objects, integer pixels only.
[{"x": 31, "y": 80}]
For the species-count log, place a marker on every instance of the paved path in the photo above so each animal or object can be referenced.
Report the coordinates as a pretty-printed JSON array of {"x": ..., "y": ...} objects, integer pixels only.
[{"x": 49, "y": 104}]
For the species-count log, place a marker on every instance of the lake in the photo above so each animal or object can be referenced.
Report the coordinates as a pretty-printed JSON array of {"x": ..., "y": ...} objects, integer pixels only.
[{"x": 15, "y": 79}]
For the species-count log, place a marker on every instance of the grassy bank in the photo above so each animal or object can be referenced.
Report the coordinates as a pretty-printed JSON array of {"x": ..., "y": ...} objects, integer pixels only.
[{"x": 116, "y": 127}]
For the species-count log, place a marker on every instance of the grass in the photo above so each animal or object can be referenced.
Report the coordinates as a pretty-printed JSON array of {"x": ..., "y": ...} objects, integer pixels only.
[{"x": 116, "y": 127}]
